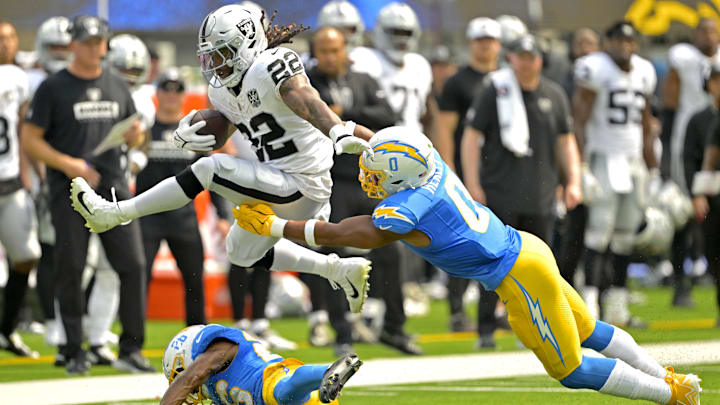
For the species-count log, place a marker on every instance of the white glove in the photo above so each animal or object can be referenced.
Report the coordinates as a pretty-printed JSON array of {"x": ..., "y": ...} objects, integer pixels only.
[
  {"x": 591, "y": 188},
  {"x": 345, "y": 142},
  {"x": 186, "y": 138},
  {"x": 706, "y": 183}
]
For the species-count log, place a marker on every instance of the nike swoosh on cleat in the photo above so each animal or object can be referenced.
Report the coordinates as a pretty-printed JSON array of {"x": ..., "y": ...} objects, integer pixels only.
[
  {"x": 80, "y": 198},
  {"x": 355, "y": 293}
]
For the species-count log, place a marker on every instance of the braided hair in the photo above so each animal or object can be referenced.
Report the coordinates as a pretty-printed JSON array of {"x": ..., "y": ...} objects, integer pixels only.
[{"x": 280, "y": 34}]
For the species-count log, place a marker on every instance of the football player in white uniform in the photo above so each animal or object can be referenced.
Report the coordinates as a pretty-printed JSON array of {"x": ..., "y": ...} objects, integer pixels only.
[
  {"x": 404, "y": 75},
  {"x": 612, "y": 112},
  {"x": 18, "y": 224},
  {"x": 263, "y": 90},
  {"x": 683, "y": 96}
]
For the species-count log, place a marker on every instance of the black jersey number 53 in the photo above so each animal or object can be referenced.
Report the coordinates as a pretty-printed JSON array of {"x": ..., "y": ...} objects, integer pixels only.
[{"x": 279, "y": 70}]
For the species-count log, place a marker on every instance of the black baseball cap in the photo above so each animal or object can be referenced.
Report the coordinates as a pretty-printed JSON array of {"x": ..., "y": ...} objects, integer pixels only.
[
  {"x": 526, "y": 43},
  {"x": 171, "y": 80},
  {"x": 621, "y": 29},
  {"x": 87, "y": 26}
]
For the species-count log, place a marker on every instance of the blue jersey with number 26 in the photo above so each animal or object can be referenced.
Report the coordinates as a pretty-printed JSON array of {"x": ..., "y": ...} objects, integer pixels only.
[
  {"x": 466, "y": 239},
  {"x": 242, "y": 381}
]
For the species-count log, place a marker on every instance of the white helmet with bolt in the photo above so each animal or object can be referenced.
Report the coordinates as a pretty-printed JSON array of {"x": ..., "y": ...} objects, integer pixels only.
[
  {"x": 178, "y": 357},
  {"x": 402, "y": 158}
]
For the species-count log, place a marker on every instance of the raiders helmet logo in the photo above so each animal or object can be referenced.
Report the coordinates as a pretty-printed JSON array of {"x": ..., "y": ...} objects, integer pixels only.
[
  {"x": 253, "y": 98},
  {"x": 93, "y": 94},
  {"x": 247, "y": 28}
]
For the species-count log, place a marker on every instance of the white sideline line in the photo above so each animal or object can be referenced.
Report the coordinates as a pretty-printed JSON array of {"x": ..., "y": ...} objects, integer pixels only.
[{"x": 376, "y": 372}]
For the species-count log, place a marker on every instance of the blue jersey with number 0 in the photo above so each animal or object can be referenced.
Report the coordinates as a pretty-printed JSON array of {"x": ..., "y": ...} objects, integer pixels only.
[
  {"x": 242, "y": 381},
  {"x": 466, "y": 239}
]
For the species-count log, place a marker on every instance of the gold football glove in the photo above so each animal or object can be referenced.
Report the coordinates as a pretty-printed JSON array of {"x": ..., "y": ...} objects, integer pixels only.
[{"x": 257, "y": 218}]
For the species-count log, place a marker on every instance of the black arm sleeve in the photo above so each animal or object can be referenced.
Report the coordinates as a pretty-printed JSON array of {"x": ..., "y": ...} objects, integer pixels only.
[
  {"x": 483, "y": 113},
  {"x": 376, "y": 113}
]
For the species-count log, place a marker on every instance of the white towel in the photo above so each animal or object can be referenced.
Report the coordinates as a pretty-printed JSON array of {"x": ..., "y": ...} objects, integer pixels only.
[{"x": 512, "y": 117}]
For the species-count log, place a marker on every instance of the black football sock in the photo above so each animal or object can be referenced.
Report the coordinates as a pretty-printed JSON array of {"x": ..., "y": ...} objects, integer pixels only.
[{"x": 15, "y": 290}]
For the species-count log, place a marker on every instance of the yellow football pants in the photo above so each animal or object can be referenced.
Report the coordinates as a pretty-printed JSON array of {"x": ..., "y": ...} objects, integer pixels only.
[
  {"x": 274, "y": 373},
  {"x": 545, "y": 312}
]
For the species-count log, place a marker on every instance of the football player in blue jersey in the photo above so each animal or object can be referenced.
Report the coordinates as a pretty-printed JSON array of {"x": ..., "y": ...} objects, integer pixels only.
[
  {"x": 427, "y": 207},
  {"x": 228, "y": 367}
]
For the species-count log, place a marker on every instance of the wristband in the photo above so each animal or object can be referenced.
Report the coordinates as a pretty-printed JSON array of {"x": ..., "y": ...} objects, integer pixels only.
[
  {"x": 277, "y": 228},
  {"x": 310, "y": 232},
  {"x": 340, "y": 131}
]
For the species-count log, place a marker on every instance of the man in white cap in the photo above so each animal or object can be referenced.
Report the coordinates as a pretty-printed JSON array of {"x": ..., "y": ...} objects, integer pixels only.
[{"x": 484, "y": 46}]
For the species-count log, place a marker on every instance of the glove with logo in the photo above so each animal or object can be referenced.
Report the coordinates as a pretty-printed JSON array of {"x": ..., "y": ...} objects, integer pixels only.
[
  {"x": 259, "y": 219},
  {"x": 345, "y": 142},
  {"x": 185, "y": 136}
]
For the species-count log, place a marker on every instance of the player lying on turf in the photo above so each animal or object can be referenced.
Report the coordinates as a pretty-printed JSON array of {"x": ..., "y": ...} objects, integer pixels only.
[
  {"x": 227, "y": 366},
  {"x": 427, "y": 207}
]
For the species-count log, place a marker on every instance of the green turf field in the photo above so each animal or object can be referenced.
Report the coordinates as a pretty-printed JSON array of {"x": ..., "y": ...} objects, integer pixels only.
[
  {"x": 666, "y": 324},
  {"x": 514, "y": 391}
]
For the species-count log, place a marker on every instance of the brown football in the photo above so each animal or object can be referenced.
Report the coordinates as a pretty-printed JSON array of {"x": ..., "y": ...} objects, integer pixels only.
[{"x": 215, "y": 124}]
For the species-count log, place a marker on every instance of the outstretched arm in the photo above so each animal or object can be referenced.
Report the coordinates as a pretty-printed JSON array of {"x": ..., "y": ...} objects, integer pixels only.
[
  {"x": 359, "y": 231},
  {"x": 305, "y": 101},
  {"x": 213, "y": 360}
]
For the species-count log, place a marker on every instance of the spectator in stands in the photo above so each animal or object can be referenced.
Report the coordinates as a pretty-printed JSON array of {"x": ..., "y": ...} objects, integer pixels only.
[{"x": 72, "y": 111}]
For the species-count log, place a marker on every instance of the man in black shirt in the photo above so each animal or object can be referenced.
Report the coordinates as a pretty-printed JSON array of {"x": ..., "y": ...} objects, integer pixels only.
[
  {"x": 71, "y": 112},
  {"x": 519, "y": 184},
  {"x": 484, "y": 44},
  {"x": 700, "y": 155},
  {"x": 358, "y": 97},
  {"x": 179, "y": 227}
]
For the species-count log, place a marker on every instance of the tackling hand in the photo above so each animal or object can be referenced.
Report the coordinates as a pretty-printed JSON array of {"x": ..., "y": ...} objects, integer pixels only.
[
  {"x": 257, "y": 219},
  {"x": 345, "y": 142},
  {"x": 186, "y": 138}
]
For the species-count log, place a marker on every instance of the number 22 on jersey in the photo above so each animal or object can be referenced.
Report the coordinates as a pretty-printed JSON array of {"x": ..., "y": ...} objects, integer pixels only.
[{"x": 477, "y": 220}]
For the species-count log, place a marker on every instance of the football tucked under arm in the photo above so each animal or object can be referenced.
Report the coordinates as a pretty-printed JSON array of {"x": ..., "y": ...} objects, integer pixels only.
[{"x": 215, "y": 124}]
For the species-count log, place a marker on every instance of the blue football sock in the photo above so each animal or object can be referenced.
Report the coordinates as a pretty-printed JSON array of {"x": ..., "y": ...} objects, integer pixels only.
[{"x": 296, "y": 389}]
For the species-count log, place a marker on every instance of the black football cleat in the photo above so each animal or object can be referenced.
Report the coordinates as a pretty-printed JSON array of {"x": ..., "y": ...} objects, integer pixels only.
[{"x": 336, "y": 376}]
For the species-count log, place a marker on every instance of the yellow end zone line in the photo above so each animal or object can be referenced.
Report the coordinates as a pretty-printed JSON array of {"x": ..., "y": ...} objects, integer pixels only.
[{"x": 424, "y": 339}]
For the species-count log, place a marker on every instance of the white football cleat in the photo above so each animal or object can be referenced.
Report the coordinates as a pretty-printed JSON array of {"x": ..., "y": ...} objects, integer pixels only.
[
  {"x": 352, "y": 275},
  {"x": 100, "y": 214}
]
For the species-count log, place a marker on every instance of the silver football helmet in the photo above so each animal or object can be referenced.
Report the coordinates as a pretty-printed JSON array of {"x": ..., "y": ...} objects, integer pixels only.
[
  {"x": 345, "y": 16},
  {"x": 397, "y": 31},
  {"x": 656, "y": 234},
  {"x": 229, "y": 40},
  {"x": 129, "y": 58},
  {"x": 511, "y": 29},
  {"x": 51, "y": 44}
]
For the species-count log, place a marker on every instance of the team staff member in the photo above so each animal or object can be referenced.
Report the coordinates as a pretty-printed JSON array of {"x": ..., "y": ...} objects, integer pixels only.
[
  {"x": 683, "y": 96},
  {"x": 179, "y": 228},
  {"x": 357, "y": 97},
  {"x": 484, "y": 45},
  {"x": 18, "y": 226},
  {"x": 702, "y": 159},
  {"x": 72, "y": 111},
  {"x": 520, "y": 161}
]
